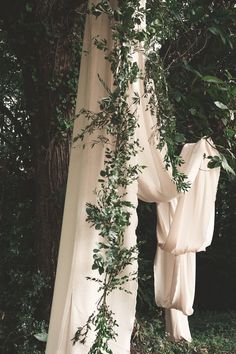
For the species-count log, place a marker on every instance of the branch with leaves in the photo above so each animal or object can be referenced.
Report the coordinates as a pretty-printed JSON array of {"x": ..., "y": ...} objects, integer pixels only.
[{"x": 111, "y": 214}]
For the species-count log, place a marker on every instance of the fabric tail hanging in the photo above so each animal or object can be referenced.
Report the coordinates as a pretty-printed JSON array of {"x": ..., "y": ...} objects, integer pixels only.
[
  {"x": 185, "y": 220},
  {"x": 75, "y": 297}
]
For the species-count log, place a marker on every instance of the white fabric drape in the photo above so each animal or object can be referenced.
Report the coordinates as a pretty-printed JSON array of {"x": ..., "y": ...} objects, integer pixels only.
[{"x": 185, "y": 221}]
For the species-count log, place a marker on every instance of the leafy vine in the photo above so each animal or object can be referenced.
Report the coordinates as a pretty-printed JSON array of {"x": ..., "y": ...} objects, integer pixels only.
[
  {"x": 117, "y": 118},
  {"x": 111, "y": 214}
]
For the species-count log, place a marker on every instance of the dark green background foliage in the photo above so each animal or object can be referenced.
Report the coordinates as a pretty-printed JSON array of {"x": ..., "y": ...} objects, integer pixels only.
[
  {"x": 213, "y": 333},
  {"x": 40, "y": 48},
  {"x": 194, "y": 71},
  {"x": 22, "y": 284},
  {"x": 198, "y": 59}
]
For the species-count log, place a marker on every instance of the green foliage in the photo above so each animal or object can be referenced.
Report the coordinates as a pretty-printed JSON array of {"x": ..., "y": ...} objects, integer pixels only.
[
  {"x": 40, "y": 51},
  {"x": 193, "y": 48},
  {"x": 111, "y": 214},
  {"x": 190, "y": 58},
  {"x": 147, "y": 244},
  {"x": 215, "y": 269},
  {"x": 22, "y": 285},
  {"x": 213, "y": 333},
  {"x": 196, "y": 47},
  {"x": 104, "y": 325}
]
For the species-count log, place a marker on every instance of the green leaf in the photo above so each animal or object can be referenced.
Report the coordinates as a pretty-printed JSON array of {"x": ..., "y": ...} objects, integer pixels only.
[
  {"x": 226, "y": 166},
  {"x": 28, "y": 7},
  {"x": 103, "y": 173},
  {"x": 220, "y": 105},
  {"x": 217, "y": 31},
  {"x": 220, "y": 161},
  {"x": 215, "y": 161},
  {"x": 233, "y": 91},
  {"x": 180, "y": 138},
  {"x": 42, "y": 337},
  {"x": 213, "y": 30},
  {"x": 212, "y": 79},
  {"x": 191, "y": 69}
]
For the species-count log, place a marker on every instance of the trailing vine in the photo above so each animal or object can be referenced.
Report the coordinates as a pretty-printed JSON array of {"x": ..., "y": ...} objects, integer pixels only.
[
  {"x": 159, "y": 102},
  {"x": 168, "y": 136},
  {"x": 111, "y": 214},
  {"x": 117, "y": 122}
]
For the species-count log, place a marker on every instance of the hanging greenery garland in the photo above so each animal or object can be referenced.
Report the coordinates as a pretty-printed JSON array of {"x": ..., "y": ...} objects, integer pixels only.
[
  {"x": 111, "y": 214},
  {"x": 118, "y": 118},
  {"x": 117, "y": 122}
]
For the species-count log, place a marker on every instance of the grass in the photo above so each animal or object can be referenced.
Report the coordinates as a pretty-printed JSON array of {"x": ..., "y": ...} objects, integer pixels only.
[{"x": 213, "y": 333}]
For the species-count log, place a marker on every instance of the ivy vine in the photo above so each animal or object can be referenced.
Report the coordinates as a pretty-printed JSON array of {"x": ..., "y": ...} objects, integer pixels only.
[
  {"x": 111, "y": 214},
  {"x": 117, "y": 118}
]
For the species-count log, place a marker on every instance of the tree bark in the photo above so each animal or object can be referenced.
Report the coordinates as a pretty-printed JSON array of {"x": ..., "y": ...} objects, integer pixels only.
[{"x": 46, "y": 37}]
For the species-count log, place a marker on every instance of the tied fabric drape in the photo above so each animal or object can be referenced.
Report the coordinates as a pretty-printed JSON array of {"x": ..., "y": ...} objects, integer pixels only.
[{"x": 185, "y": 221}]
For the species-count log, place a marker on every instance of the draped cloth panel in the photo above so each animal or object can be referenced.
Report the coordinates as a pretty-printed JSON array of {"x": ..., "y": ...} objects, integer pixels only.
[
  {"x": 185, "y": 221},
  {"x": 75, "y": 297}
]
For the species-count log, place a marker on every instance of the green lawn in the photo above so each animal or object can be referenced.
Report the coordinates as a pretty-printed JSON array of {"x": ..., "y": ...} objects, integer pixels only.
[{"x": 213, "y": 333}]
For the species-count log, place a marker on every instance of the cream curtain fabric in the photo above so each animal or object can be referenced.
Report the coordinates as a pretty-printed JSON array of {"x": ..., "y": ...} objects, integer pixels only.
[{"x": 185, "y": 221}]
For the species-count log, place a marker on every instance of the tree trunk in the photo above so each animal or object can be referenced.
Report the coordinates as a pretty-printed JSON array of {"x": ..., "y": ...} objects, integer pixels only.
[{"x": 47, "y": 37}]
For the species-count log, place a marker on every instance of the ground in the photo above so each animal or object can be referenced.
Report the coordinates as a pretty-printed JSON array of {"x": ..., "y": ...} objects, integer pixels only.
[{"x": 212, "y": 332}]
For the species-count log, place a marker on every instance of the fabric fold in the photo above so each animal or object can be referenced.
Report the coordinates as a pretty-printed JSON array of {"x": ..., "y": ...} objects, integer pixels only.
[{"x": 185, "y": 221}]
